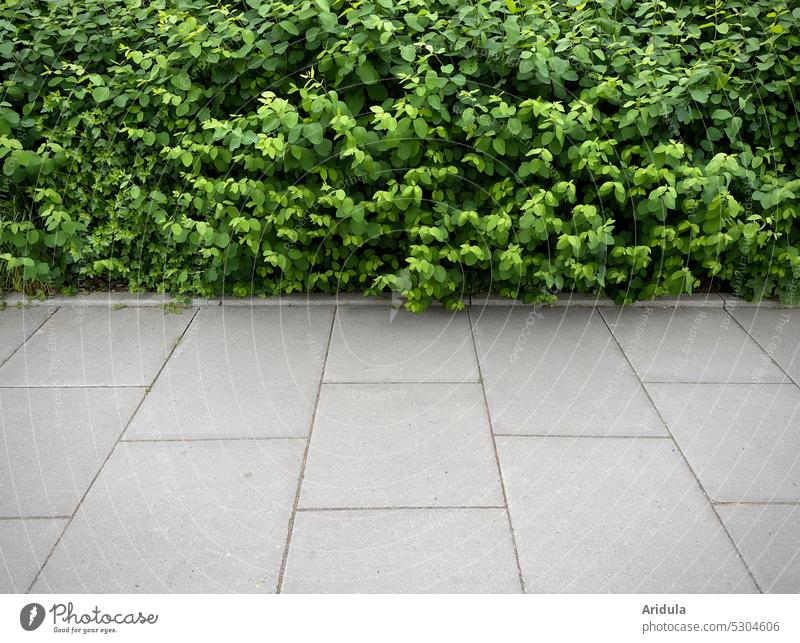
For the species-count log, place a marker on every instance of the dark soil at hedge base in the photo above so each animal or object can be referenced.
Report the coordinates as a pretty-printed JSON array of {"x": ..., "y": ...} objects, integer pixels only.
[{"x": 434, "y": 149}]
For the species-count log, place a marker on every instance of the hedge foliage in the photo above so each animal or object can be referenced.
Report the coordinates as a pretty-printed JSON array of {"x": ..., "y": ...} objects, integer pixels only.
[{"x": 430, "y": 147}]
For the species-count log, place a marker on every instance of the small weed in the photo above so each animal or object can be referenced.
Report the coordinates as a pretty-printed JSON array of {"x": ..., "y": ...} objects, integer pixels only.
[{"x": 177, "y": 305}]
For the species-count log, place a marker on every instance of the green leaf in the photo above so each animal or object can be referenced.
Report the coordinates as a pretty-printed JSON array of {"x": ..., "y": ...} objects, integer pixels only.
[
  {"x": 182, "y": 81},
  {"x": 289, "y": 27},
  {"x": 412, "y": 20},
  {"x": 328, "y": 21},
  {"x": 101, "y": 94},
  {"x": 367, "y": 73},
  {"x": 313, "y": 133},
  {"x": 408, "y": 53}
]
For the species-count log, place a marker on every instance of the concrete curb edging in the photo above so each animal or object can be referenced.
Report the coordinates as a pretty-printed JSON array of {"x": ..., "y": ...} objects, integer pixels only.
[{"x": 567, "y": 300}]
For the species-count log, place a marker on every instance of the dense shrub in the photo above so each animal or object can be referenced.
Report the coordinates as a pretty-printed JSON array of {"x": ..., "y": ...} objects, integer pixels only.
[{"x": 430, "y": 147}]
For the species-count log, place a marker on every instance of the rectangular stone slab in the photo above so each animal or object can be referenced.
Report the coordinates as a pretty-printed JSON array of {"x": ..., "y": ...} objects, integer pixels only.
[
  {"x": 239, "y": 372},
  {"x": 559, "y": 371},
  {"x": 54, "y": 441},
  {"x": 618, "y": 515},
  {"x": 382, "y": 344},
  {"x": 689, "y": 345},
  {"x": 398, "y": 445},
  {"x": 401, "y": 551},
  {"x": 94, "y": 346},
  {"x": 181, "y": 517}
]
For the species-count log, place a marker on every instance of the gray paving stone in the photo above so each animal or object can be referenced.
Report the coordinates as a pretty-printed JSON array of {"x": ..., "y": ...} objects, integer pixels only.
[
  {"x": 239, "y": 372},
  {"x": 412, "y": 550},
  {"x": 777, "y": 331},
  {"x": 381, "y": 344},
  {"x": 684, "y": 345},
  {"x": 742, "y": 441},
  {"x": 181, "y": 517},
  {"x": 559, "y": 371},
  {"x": 399, "y": 445},
  {"x": 16, "y": 325},
  {"x": 53, "y": 443},
  {"x": 769, "y": 538},
  {"x": 24, "y": 545},
  {"x": 96, "y": 346},
  {"x": 614, "y": 515}
]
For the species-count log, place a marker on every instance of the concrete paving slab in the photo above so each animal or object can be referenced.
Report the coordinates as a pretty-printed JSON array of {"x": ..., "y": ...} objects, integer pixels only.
[
  {"x": 743, "y": 441},
  {"x": 96, "y": 346},
  {"x": 382, "y": 344},
  {"x": 17, "y": 324},
  {"x": 411, "y": 550},
  {"x": 559, "y": 371},
  {"x": 53, "y": 441},
  {"x": 614, "y": 515},
  {"x": 401, "y": 445},
  {"x": 181, "y": 517},
  {"x": 777, "y": 331},
  {"x": 239, "y": 372},
  {"x": 769, "y": 538},
  {"x": 679, "y": 345},
  {"x": 24, "y": 546}
]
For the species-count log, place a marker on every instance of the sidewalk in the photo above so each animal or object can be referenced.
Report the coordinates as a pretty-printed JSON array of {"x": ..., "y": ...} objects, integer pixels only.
[{"x": 355, "y": 448}]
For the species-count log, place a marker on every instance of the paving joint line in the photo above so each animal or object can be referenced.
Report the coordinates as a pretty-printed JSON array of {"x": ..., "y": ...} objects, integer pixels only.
[
  {"x": 726, "y": 382},
  {"x": 6, "y": 518},
  {"x": 520, "y": 576},
  {"x": 757, "y": 503},
  {"x": 231, "y": 439},
  {"x": 400, "y": 508},
  {"x": 573, "y": 436},
  {"x": 74, "y": 386},
  {"x": 763, "y": 350},
  {"x": 382, "y": 382},
  {"x": 685, "y": 459},
  {"x": 293, "y": 515},
  {"x": 27, "y": 337},
  {"x": 147, "y": 390}
]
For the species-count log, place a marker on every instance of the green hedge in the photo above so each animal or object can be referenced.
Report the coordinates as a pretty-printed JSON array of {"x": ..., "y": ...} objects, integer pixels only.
[{"x": 430, "y": 147}]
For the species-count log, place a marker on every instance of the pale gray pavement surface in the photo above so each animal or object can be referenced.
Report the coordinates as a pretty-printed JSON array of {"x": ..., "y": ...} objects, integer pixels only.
[{"x": 337, "y": 447}]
